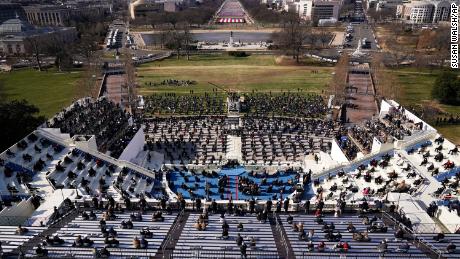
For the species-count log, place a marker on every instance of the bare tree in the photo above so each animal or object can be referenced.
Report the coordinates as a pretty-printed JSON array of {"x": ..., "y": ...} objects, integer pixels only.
[
  {"x": 86, "y": 47},
  {"x": 339, "y": 82},
  {"x": 325, "y": 37},
  {"x": 36, "y": 46},
  {"x": 293, "y": 36},
  {"x": 384, "y": 79},
  {"x": 130, "y": 80},
  {"x": 187, "y": 38}
]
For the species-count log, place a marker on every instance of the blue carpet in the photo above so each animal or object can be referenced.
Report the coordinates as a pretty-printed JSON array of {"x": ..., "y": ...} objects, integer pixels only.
[{"x": 198, "y": 183}]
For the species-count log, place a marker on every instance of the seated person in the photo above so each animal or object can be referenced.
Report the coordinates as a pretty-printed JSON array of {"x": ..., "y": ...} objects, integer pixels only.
[
  {"x": 361, "y": 237},
  {"x": 341, "y": 247},
  {"x": 302, "y": 235},
  {"x": 55, "y": 240},
  {"x": 111, "y": 242},
  {"x": 225, "y": 225},
  {"x": 21, "y": 231},
  {"x": 377, "y": 228},
  {"x": 321, "y": 246},
  {"x": 451, "y": 247},
  {"x": 345, "y": 247},
  {"x": 310, "y": 246},
  {"x": 399, "y": 234},
  {"x": 330, "y": 236},
  {"x": 112, "y": 232},
  {"x": 366, "y": 220},
  {"x": 351, "y": 228},
  {"x": 373, "y": 219},
  {"x": 104, "y": 231},
  {"x": 404, "y": 248},
  {"x": 144, "y": 243},
  {"x": 78, "y": 242},
  {"x": 225, "y": 233},
  {"x": 126, "y": 224},
  {"x": 329, "y": 227},
  {"x": 240, "y": 227},
  {"x": 252, "y": 242},
  {"x": 439, "y": 237},
  {"x": 290, "y": 219},
  {"x": 136, "y": 216},
  {"x": 145, "y": 232},
  {"x": 136, "y": 243},
  {"x": 129, "y": 224},
  {"x": 295, "y": 227},
  {"x": 383, "y": 246},
  {"x": 92, "y": 215},
  {"x": 239, "y": 239},
  {"x": 104, "y": 252},
  {"x": 158, "y": 216},
  {"x": 102, "y": 223},
  {"x": 85, "y": 216},
  {"x": 87, "y": 241},
  {"x": 41, "y": 252}
]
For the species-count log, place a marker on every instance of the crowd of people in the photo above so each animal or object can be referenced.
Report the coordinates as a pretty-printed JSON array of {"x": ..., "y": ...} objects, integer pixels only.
[
  {"x": 196, "y": 139},
  {"x": 273, "y": 140},
  {"x": 102, "y": 118},
  {"x": 377, "y": 178},
  {"x": 346, "y": 144},
  {"x": 172, "y": 82},
  {"x": 190, "y": 104},
  {"x": 285, "y": 104},
  {"x": 384, "y": 132},
  {"x": 449, "y": 120}
]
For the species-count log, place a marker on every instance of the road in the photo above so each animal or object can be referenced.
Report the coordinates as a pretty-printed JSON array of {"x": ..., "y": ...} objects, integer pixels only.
[{"x": 362, "y": 30}]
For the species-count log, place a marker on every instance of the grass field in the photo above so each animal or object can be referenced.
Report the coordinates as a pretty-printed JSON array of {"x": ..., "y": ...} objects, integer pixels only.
[
  {"x": 49, "y": 91},
  {"x": 254, "y": 73},
  {"x": 416, "y": 89}
]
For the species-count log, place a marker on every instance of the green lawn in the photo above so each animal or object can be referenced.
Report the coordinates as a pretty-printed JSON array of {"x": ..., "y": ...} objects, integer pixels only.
[
  {"x": 49, "y": 91},
  {"x": 416, "y": 85},
  {"x": 247, "y": 74}
]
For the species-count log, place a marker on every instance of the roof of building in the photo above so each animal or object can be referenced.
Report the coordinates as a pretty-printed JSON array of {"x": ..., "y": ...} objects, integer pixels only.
[{"x": 15, "y": 26}]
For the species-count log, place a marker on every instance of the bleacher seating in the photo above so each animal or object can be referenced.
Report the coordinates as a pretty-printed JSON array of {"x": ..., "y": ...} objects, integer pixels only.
[
  {"x": 284, "y": 140},
  {"x": 20, "y": 163},
  {"x": 358, "y": 249},
  {"x": 188, "y": 139},
  {"x": 125, "y": 249},
  {"x": 454, "y": 238},
  {"x": 390, "y": 173},
  {"x": 285, "y": 104},
  {"x": 93, "y": 176},
  {"x": 170, "y": 103},
  {"x": 102, "y": 118},
  {"x": 10, "y": 240},
  {"x": 209, "y": 244}
]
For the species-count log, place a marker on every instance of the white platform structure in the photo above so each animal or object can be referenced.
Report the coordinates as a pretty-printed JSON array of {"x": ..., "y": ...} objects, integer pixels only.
[{"x": 135, "y": 177}]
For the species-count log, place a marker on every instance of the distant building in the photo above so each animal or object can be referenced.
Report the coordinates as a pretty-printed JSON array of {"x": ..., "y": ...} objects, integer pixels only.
[
  {"x": 60, "y": 15},
  {"x": 140, "y": 8},
  {"x": 171, "y": 6},
  {"x": 89, "y": 7},
  {"x": 47, "y": 15},
  {"x": 314, "y": 9},
  {"x": 15, "y": 32},
  {"x": 424, "y": 11},
  {"x": 11, "y": 11},
  {"x": 326, "y": 9},
  {"x": 380, "y": 5}
]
